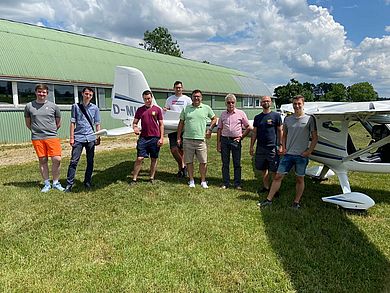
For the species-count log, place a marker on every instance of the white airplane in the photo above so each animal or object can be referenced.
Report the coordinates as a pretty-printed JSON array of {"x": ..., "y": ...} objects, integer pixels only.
[{"x": 335, "y": 149}]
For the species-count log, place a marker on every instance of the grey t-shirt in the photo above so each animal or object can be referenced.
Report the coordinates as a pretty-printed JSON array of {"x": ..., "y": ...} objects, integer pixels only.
[
  {"x": 298, "y": 131},
  {"x": 43, "y": 119}
]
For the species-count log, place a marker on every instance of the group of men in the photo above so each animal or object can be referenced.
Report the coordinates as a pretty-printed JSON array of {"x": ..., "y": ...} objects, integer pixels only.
[
  {"x": 43, "y": 118},
  {"x": 292, "y": 141}
]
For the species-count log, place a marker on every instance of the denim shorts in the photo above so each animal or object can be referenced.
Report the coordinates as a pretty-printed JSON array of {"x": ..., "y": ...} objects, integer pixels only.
[
  {"x": 289, "y": 161},
  {"x": 147, "y": 146}
]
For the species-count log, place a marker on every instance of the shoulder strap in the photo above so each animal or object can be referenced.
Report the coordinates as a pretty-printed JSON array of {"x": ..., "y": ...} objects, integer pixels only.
[{"x": 82, "y": 108}]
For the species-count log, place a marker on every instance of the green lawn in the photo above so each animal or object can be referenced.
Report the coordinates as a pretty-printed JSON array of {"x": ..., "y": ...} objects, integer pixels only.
[{"x": 169, "y": 238}]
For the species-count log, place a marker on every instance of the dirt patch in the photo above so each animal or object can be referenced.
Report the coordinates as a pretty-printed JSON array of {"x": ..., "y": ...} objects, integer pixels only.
[{"x": 13, "y": 154}]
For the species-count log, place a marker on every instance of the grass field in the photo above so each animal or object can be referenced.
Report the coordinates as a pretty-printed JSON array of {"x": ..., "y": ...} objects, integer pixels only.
[{"x": 169, "y": 238}]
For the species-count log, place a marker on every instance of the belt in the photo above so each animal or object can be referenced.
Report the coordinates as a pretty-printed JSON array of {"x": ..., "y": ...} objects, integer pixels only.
[{"x": 231, "y": 137}]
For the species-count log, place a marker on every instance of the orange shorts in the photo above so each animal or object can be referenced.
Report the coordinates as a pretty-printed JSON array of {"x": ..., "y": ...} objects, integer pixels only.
[{"x": 50, "y": 147}]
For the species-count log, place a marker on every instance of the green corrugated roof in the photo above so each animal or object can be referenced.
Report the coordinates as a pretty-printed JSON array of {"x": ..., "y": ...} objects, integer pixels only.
[{"x": 33, "y": 52}]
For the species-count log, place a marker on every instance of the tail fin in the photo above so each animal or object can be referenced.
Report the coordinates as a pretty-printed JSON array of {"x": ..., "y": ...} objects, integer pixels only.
[{"x": 129, "y": 84}]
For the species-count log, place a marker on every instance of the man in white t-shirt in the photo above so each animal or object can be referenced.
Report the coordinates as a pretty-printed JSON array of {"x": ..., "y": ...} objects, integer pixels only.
[{"x": 177, "y": 103}]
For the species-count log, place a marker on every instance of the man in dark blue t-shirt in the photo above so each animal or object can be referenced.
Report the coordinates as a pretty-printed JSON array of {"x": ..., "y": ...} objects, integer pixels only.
[{"x": 267, "y": 130}]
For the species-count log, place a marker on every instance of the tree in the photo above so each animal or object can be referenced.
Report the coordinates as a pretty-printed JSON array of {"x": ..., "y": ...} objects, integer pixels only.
[
  {"x": 285, "y": 93},
  {"x": 160, "y": 40},
  {"x": 360, "y": 92},
  {"x": 337, "y": 93}
]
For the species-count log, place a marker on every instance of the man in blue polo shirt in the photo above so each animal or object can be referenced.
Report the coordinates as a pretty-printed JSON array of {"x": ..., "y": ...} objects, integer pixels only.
[{"x": 83, "y": 116}]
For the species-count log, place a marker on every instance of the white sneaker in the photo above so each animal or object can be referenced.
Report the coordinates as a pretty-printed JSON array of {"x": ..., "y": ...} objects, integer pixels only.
[
  {"x": 46, "y": 188},
  {"x": 204, "y": 184},
  {"x": 58, "y": 186},
  {"x": 191, "y": 184}
]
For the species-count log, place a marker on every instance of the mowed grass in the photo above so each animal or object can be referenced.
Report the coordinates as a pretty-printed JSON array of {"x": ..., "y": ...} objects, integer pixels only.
[{"x": 169, "y": 238}]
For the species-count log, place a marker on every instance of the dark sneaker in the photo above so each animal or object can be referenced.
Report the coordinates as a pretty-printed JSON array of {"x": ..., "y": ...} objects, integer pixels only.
[
  {"x": 179, "y": 174},
  {"x": 265, "y": 203},
  {"x": 68, "y": 188},
  {"x": 87, "y": 185},
  {"x": 133, "y": 182},
  {"x": 151, "y": 181},
  {"x": 263, "y": 190},
  {"x": 296, "y": 205}
]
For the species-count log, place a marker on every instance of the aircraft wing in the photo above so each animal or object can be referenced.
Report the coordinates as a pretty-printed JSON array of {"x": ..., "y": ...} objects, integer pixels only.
[
  {"x": 375, "y": 111},
  {"x": 115, "y": 131}
]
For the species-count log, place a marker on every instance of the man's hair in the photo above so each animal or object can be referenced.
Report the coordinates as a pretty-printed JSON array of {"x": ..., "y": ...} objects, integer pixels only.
[
  {"x": 177, "y": 82},
  {"x": 196, "y": 92},
  {"x": 41, "y": 86},
  {"x": 299, "y": 97},
  {"x": 147, "y": 92},
  {"x": 230, "y": 97},
  {"x": 87, "y": 88}
]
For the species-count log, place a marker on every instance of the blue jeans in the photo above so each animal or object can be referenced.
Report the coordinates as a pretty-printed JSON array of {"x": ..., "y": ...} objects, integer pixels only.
[
  {"x": 77, "y": 149},
  {"x": 229, "y": 145}
]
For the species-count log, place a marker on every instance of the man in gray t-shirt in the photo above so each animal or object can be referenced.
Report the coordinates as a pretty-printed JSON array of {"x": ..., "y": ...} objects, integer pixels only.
[
  {"x": 43, "y": 118},
  {"x": 298, "y": 142}
]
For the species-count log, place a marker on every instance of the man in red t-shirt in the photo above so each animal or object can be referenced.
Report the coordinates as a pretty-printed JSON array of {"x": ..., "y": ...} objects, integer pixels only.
[{"x": 151, "y": 136}]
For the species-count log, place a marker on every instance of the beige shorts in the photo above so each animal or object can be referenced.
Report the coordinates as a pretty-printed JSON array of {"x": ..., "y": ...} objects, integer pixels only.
[{"x": 193, "y": 147}]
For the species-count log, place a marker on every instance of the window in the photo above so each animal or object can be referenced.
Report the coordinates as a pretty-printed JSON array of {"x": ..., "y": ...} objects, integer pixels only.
[
  {"x": 247, "y": 102},
  {"x": 206, "y": 99},
  {"x": 26, "y": 92},
  {"x": 219, "y": 102},
  {"x": 5, "y": 92},
  {"x": 161, "y": 97},
  {"x": 257, "y": 103},
  {"x": 104, "y": 98},
  {"x": 64, "y": 94}
]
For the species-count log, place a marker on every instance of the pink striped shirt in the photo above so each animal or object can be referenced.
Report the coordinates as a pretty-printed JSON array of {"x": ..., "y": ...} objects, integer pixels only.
[{"x": 233, "y": 123}]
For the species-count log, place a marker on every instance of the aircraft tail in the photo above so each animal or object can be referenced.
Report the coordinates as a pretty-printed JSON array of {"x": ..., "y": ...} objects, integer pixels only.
[{"x": 129, "y": 83}]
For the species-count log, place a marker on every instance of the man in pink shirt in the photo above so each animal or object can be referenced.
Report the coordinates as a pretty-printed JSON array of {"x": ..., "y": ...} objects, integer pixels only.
[{"x": 229, "y": 136}]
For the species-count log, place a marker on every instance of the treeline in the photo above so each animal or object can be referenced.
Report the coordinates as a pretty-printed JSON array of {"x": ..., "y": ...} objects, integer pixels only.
[{"x": 331, "y": 92}]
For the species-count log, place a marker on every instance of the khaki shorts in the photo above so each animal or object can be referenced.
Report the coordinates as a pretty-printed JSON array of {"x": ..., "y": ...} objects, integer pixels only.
[
  {"x": 50, "y": 147},
  {"x": 193, "y": 147}
]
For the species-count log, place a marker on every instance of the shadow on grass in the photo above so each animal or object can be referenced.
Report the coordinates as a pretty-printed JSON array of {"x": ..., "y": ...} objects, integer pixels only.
[
  {"x": 320, "y": 248},
  {"x": 24, "y": 184}
]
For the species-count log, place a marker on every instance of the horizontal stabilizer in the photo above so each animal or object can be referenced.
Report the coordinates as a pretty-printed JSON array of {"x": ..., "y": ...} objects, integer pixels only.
[
  {"x": 351, "y": 200},
  {"x": 115, "y": 131}
]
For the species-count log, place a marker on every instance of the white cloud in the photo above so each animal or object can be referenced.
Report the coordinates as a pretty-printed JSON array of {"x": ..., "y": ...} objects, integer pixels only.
[{"x": 276, "y": 40}]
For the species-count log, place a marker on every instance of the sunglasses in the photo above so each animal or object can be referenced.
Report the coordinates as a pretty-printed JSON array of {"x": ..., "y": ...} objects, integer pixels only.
[{"x": 230, "y": 102}]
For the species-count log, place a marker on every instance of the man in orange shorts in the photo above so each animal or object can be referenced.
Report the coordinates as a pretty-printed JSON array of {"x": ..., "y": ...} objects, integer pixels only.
[{"x": 43, "y": 118}]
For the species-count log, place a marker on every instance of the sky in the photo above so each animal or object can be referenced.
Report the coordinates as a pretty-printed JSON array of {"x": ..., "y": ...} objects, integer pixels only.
[{"x": 273, "y": 40}]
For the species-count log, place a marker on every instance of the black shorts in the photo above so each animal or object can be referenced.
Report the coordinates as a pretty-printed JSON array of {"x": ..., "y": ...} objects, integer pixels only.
[
  {"x": 173, "y": 140},
  {"x": 266, "y": 159}
]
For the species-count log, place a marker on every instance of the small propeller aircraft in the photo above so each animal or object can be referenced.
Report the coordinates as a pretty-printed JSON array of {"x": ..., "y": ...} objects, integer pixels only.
[{"x": 334, "y": 150}]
